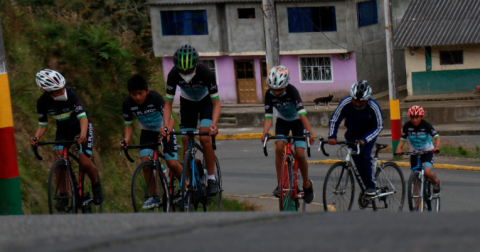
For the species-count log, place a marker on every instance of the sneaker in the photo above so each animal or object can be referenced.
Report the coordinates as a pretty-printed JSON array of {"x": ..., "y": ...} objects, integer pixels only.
[
  {"x": 61, "y": 203},
  {"x": 436, "y": 188},
  {"x": 151, "y": 203},
  {"x": 371, "y": 192},
  {"x": 97, "y": 194},
  {"x": 308, "y": 193},
  {"x": 212, "y": 187},
  {"x": 276, "y": 192}
]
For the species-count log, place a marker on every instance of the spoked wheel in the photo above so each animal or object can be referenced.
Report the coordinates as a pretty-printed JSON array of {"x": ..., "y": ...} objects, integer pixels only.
[
  {"x": 61, "y": 190},
  {"x": 149, "y": 184},
  {"x": 391, "y": 183},
  {"x": 286, "y": 201},
  {"x": 432, "y": 201},
  {"x": 338, "y": 188},
  {"x": 186, "y": 185},
  {"x": 85, "y": 203},
  {"x": 174, "y": 191},
  {"x": 214, "y": 203},
  {"x": 415, "y": 198}
]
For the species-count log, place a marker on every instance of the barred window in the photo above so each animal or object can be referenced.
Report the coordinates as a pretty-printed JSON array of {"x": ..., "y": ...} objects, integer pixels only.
[
  {"x": 209, "y": 63},
  {"x": 316, "y": 69}
]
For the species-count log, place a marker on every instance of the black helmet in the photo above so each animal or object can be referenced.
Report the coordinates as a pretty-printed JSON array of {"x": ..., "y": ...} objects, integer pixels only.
[
  {"x": 361, "y": 91},
  {"x": 186, "y": 59}
]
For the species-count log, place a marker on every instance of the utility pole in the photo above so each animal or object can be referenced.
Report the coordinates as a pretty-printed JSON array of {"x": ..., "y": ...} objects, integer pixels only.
[
  {"x": 395, "y": 119},
  {"x": 271, "y": 33},
  {"x": 10, "y": 198}
]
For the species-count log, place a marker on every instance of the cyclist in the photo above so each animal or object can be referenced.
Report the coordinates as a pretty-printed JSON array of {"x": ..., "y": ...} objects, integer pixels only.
[
  {"x": 418, "y": 132},
  {"x": 291, "y": 116},
  {"x": 363, "y": 119},
  {"x": 62, "y": 103},
  {"x": 147, "y": 106},
  {"x": 199, "y": 95}
]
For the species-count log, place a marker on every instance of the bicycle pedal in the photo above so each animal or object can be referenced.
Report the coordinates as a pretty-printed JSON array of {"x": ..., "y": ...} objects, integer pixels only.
[{"x": 87, "y": 202}]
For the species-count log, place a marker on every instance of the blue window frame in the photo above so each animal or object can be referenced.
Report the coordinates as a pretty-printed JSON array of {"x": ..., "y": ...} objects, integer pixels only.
[
  {"x": 184, "y": 22},
  {"x": 312, "y": 19},
  {"x": 367, "y": 13}
]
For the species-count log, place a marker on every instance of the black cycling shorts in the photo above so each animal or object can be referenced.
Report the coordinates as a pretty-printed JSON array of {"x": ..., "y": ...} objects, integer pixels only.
[
  {"x": 190, "y": 111},
  {"x": 69, "y": 135},
  {"x": 425, "y": 159},
  {"x": 283, "y": 128},
  {"x": 151, "y": 137}
]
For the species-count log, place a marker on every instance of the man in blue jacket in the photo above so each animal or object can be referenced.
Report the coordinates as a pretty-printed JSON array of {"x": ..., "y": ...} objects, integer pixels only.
[{"x": 363, "y": 119}]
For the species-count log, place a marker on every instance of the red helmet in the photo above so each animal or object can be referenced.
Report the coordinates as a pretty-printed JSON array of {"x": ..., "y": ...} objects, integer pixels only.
[{"x": 416, "y": 111}]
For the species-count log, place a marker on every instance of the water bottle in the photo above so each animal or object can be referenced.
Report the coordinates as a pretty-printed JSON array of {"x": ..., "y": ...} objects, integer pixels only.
[{"x": 164, "y": 169}]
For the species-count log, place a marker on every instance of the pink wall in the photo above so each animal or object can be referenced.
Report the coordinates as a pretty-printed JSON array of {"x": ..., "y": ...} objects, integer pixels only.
[{"x": 344, "y": 75}]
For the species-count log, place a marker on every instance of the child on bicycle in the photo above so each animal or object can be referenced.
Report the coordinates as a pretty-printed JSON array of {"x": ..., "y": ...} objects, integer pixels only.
[
  {"x": 291, "y": 116},
  {"x": 62, "y": 103},
  {"x": 418, "y": 132},
  {"x": 147, "y": 106}
]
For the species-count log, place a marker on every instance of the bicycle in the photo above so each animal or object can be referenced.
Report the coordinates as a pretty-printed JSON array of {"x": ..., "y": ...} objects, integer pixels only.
[
  {"x": 420, "y": 190},
  {"x": 153, "y": 182},
  {"x": 289, "y": 193},
  {"x": 339, "y": 181},
  {"x": 193, "y": 183},
  {"x": 77, "y": 193}
]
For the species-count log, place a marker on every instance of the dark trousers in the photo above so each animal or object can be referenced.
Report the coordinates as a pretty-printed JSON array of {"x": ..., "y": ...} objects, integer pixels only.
[{"x": 364, "y": 163}]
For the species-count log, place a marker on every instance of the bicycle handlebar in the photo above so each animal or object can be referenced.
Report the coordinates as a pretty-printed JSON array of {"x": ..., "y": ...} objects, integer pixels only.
[
  {"x": 322, "y": 143},
  {"x": 35, "y": 147},
  {"x": 306, "y": 137},
  {"x": 144, "y": 146},
  {"x": 191, "y": 133}
]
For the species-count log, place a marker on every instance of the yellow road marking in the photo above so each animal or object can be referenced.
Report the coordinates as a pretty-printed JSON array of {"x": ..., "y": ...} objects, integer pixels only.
[{"x": 407, "y": 164}]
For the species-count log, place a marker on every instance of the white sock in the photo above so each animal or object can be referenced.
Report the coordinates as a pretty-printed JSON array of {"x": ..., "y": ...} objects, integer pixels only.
[{"x": 212, "y": 177}]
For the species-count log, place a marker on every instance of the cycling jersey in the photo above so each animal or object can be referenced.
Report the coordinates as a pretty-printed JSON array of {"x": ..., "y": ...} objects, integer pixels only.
[
  {"x": 419, "y": 136},
  {"x": 365, "y": 124},
  {"x": 149, "y": 113},
  {"x": 289, "y": 105},
  {"x": 202, "y": 84},
  {"x": 67, "y": 113}
]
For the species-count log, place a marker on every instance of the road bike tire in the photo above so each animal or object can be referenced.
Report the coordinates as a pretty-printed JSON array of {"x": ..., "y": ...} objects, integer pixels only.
[
  {"x": 187, "y": 192},
  {"x": 140, "y": 191},
  {"x": 415, "y": 200},
  {"x": 428, "y": 194},
  {"x": 286, "y": 201},
  {"x": 215, "y": 202},
  {"x": 58, "y": 174},
  {"x": 86, "y": 202},
  {"x": 338, "y": 188},
  {"x": 390, "y": 178}
]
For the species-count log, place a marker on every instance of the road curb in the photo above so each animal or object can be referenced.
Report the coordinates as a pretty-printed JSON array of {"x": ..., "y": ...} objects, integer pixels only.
[
  {"x": 243, "y": 136},
  {"x": 407, "y": 164}
]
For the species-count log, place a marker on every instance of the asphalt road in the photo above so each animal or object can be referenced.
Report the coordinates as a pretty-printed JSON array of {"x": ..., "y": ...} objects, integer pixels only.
[{"x": 247, "y": 172}]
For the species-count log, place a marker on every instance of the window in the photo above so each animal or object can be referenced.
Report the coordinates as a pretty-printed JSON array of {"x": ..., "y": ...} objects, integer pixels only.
[
  {"x": 246, "y": 13},
  {"x": 209, "y": 63},
  {"x": 451, "y": 57},
  {"x": 367, "y": 13},
  {"x": 316, "y": 69},
  {"x": 245, "y": 69},
  {"x": 184, "y": 22},
  {"x": 311, "y": 19}
]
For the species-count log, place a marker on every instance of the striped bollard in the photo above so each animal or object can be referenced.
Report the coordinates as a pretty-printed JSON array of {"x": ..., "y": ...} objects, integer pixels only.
[{"x": 396, "y": 123}]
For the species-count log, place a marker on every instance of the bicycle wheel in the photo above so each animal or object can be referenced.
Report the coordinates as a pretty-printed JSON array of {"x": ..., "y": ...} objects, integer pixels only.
[
  {"x": 214, "y": 203},
  {"x": 338, "y": 188},
  {"x": 415, "y": 196},
  {"x": 391, "y": 183},
  {"x": 149, "y": 183},
  {"x": 61, "y": 189},
  {"x": 85, "y": 203},
  {"x": 286, "y": 201},
  {"x": 187, "y": 190}
]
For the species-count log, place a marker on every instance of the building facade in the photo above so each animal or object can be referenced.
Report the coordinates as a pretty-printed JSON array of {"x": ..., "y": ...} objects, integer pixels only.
[
  {"x": 327, "y": 45},
  {"x": 441, "y": 40}
]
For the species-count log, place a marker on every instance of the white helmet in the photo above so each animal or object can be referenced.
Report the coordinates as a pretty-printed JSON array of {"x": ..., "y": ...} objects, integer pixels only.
[
  {"x": 278, "y": 77},
  {"x": 361, "y": 91},
  {"x": 49, "y": 80}
]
